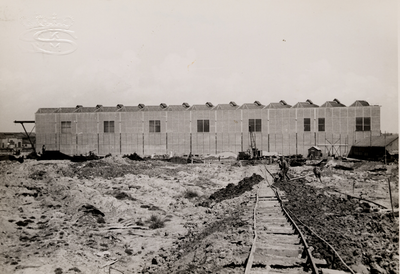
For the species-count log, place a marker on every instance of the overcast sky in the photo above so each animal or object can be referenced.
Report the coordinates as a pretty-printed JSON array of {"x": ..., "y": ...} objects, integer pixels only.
[{"x": 151, "y": 52}]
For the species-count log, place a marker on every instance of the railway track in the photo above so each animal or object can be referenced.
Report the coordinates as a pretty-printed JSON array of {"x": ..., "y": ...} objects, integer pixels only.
[{"x": 278, "y": 245}]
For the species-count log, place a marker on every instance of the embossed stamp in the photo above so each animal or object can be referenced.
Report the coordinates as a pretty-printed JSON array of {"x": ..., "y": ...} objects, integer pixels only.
[{"x": 51, "y": 35}]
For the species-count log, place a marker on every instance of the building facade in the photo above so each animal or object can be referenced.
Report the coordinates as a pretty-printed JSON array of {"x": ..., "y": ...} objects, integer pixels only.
[{"x": 206, "y": 129}]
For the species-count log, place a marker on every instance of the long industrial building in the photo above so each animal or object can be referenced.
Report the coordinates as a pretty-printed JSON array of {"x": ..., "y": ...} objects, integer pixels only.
[{"x": 206, "y": 129}]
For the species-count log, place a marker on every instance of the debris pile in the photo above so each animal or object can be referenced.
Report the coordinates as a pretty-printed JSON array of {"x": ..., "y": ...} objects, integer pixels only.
[
  {"x": 232, "y": 191},
  {"x": 133, "y": 157},
  {"x": 364, "y": 236}
]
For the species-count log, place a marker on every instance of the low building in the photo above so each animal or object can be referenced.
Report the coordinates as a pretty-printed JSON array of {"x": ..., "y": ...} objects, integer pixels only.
[
  {"x": 376, "y": 148},
  {"x": 15, "y": 141}
]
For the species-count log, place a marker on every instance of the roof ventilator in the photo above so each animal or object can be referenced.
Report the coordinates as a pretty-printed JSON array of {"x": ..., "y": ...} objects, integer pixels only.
[
  {"x": 309, "y": 101},
  {"x": 163, "y": 105},
  {"x": 119, "y": 106},
  {"x": 185, "y": 105},
  {"x": 233, "y": 104},
  {"x": 257, "y": 103},
  {"x": 78, "y": 108},
  {"x": 99, "y": 106},
  {"x": 337, "y": 101},
  {"x": 141, "y": 106},
  {"x": 282, "y": 102},
  {"x": 209, "y": 104}
]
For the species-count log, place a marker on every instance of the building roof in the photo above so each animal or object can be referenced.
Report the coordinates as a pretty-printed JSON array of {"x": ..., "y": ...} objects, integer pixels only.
[
  {"x": 206, "y": 106},
  {"x": 103, "y": 109},
  {"x": 152, "y": 108},
  {"x": 225, "y": 107},
  {"x": 231, "y": 106},
  {"x": 200, "y": 107},
  {"x": 377, "y": 141},
  {"x": 19, "y": 135},
  {"x": 281, "y": 104},
  {"x": 75, "y": 109},
  {"x": 360, "y": 103},
  {"x": 306, "y": 104},
  {"x": 46, "y": 110},
  {"x": 176, "y": 108},
  {"x": 129, "y": 109},
  {"x": 334, "y": 103},
  {"x": 185, "y": 106},
  {"x": 255, "y": 105}
]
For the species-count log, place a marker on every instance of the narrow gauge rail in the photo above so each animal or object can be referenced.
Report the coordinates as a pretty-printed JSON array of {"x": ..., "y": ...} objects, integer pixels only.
[{"x": 278, "y": 245}]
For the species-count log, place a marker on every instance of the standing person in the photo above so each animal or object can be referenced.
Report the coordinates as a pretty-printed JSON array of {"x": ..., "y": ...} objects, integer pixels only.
[
  {"x": 43, "y": 149},
  {"x": 284, "y": 166},
  {"x": 190, "y": 158},
  {"x": 317, "y": 173}
]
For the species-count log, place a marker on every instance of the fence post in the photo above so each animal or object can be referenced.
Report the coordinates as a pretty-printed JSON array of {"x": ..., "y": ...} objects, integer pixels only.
[
  {"x": 384, "y": 146},
  {"x": 241, "y": 141},
  {"x": 190, "y": 142},
  {"x": 391, "y": 203},
  {"x": 315, "y": 138},
  {"x": 166, "y": 142},
  {"x": 216, "y": 143}
]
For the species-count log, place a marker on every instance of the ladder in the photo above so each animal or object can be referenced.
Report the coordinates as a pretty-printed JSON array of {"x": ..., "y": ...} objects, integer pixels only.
[{"x": 253, "y": 146}]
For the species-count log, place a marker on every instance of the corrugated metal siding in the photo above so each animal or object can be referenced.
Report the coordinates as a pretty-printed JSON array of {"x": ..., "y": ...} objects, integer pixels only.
[{"x": 282, "y": 130}]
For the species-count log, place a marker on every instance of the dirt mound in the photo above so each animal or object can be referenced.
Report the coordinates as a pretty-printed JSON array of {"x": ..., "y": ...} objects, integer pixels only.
[
  {"x": 93, "y": 211},
  {"x": 115, "y": 167},
  {"x": 232, "y": 191},
  {"x": 178, "y": 160},
  {"x": 54, "y": 155},
  {"x": 11, "y": 158},
  {"x": 133, "y": 157},
  {"x": 360, "y": 235},
  {"x": 121, "y": 195}
]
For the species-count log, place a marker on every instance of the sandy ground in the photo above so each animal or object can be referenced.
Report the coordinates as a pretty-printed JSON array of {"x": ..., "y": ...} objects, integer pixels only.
[{"x": 116, "y": 215}]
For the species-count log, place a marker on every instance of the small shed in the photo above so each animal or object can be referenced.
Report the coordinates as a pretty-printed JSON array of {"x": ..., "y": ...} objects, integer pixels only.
[{"x": 314, "y": 152}]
